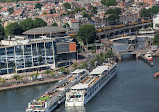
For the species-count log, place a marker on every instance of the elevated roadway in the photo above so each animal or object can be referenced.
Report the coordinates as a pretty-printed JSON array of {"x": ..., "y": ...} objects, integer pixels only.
[{"x": 123, "y": 28}]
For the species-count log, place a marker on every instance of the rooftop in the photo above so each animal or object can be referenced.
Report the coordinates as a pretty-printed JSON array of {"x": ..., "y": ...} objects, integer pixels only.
[
  {"x": 80, "y": 86},
  {"x": 99, "y": 69},
  {"x": 44, "y": 30}
]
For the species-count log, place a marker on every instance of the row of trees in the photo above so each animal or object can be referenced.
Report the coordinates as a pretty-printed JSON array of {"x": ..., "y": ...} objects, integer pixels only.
[
  {"x": 76, "y": 10},
  {"x": 27, "y": 24},
  {"x": 113, "y": 15},
  {"x": 17, "y": 0},
  {"x": 148, "y": 13},
  {"x": 100, "y": 58},
  {"x": 82, "y": 65},
  {"x": 108, "y": 3}
]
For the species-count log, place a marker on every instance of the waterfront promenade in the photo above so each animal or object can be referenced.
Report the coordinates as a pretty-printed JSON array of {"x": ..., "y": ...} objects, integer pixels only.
[{"x": 37, "y": 82}]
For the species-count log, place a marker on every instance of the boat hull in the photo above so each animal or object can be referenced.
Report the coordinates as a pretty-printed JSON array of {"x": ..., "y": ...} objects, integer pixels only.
[{"x": 108, "y": 79}]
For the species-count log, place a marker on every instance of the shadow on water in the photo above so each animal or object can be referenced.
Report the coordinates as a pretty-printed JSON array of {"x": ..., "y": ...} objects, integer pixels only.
[
  {"x": 127, "y": 57},
  {"x": 75, "y": 109}
]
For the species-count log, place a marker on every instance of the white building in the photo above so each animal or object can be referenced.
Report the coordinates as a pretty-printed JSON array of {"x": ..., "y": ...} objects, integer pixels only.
[
  {"x": 156, "y": 21},
  {"x": 74, "y": 24}
]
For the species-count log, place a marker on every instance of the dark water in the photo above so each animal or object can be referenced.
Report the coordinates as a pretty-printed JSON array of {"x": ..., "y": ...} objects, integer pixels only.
[
  {"x": 16, "y": 100},
  {"x": 133, "y": 90},
  {"x": 122, "y": 45}
]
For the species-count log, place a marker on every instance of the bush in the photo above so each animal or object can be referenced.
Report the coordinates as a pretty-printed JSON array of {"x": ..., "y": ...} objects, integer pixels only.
[{"x": 17, "y": 77}]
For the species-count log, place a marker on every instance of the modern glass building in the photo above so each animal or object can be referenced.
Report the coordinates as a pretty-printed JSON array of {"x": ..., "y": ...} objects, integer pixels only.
[{"x": 36, "y": 55}]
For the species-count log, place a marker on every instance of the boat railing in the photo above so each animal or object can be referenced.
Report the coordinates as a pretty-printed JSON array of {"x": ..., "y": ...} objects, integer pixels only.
[
  {"x": 76, "y": 80},
  {"x": 57, "y": 96},
  {"x": 58, "y": 84}
]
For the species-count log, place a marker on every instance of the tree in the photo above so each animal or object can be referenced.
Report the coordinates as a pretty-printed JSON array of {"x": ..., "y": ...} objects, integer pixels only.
[
  {"x": 110, "y": 11},
  {"x": 62, "y": 69},
  {"x": 109, "y": 2},
  {"x": 54, "y": 24},
  {"x": 113, "y": 11},
  {"x": 35, "y": 75},
  {"x": 149, "y": 12},
  {"x": 44, "y": 13},
  {"x": 38, "y": 22},
  {"x": 2, "y": 80},
  {"x": 77, "y": 10},
  {"x": 11, "y": 10},
  {"x": 52, "y": 11},
  {"x": 47, "y": 72},
  {"x": 13, "y": 29},
  {"x": 156, "y": 39},
  {"x": 92, "y": 63},
  {"x": 83, "y": 65},
  {"x": 94, "y": 10},
  {"x": 17, "y": 77},
  {"x": 38, "y": 6},
  {"x": 2, "y": 34},
  {"x": 52, "y": 74},
  {"x": 66, "y": 24},
  {"x": 27, "y": 24},
  {"x": 87, "y": 33},
  {"x": 67, "y": 5},
  {"x": 113, "y": 19},
  {"x": 117, "y": 11},
  {"x": 75, "y": 66}
]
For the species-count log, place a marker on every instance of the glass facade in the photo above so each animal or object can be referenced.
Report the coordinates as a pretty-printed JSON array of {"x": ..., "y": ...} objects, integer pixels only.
[
  {"x": 19, "y": 58},
  {"x": 27, "y": 58}
]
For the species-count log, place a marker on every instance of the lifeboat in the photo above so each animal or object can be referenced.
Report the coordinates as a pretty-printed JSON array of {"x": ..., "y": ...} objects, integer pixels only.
[
  {"x": 148, "y": 56},
  {"x": 156, "y": 75}
]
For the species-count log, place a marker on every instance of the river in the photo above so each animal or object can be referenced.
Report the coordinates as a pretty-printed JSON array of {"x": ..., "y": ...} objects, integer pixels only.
[{"x": 133, "y": 90}]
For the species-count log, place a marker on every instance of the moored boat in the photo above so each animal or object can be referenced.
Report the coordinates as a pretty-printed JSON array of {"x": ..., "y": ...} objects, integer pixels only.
[
  {"x": 156, "y": 75},
  {"x": 57, "y": 94},
  {"x": 148, "y": 56},
  {"x": 82, "y": 92}
]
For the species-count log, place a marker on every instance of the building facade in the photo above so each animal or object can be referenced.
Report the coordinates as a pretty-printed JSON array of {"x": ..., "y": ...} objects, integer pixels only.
[
  {"x": 156, "y": 21},
  {"x": 128, "y": 17},
  {"x": 38, "y": 54}
]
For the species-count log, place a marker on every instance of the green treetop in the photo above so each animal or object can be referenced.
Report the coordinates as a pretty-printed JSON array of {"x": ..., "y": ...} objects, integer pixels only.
[
  {"x": 13, "y": 29},
  {"x": 67, "y": 5},
  {"x": 38, "y": 22},
  {"x": 54, "y": 24},
  {"x": 109, "y": 2},
  {"x": 87, "y": 33},
  {"x": 156, "y": 39},
  {"x": 38, "y": 6},
  {"x": 27, "y": 24},
  {"x": 11, "y": 10}
]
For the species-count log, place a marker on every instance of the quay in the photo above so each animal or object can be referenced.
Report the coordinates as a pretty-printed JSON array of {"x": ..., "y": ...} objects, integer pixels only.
[{"x": 37, "y": 82}]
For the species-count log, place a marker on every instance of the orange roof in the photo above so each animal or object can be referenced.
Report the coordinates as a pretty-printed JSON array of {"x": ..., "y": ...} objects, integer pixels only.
[
  {"x": 53, "y": 15},
  {"x": 4, "y": 9},
  {"x": 29, "y": 1},
  {"x": 68, "y": 0},
  {"x": 17, "y": 12},
  {"x": 73, "y": 20}
]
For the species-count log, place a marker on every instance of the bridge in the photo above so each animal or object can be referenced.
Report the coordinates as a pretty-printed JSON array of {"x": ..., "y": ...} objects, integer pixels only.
[
  {"x": 135, "y": 52},
  {"x": 127, "y": 37},
  {"x": 119, "y": 38},
  {"x": 107, "y": 32}
]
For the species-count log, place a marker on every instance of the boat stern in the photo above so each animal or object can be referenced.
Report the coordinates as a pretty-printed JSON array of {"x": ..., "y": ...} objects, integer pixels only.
[{"x": 67, "y": 104}]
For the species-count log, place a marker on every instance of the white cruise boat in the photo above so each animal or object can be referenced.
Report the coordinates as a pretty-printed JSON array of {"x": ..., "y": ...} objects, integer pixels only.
[
  {"x": 57, "y": 94},
  {"x": 148, "y": 56},
  {"x": 82, "y": 92}
]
